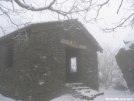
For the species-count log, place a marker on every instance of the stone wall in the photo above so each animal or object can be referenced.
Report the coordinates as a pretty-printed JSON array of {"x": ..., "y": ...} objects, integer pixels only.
[
  {"x": 90, "y": 69},
  {"x": 39, "y": 65}
]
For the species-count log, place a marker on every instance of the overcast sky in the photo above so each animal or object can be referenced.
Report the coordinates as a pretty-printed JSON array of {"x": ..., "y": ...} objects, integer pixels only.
[{"x": 108, "y": 17}]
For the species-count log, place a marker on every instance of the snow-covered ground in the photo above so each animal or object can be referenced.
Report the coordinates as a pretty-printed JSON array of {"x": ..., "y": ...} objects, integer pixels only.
[
  {"x": 2, "y": 98},
  {"x": 110, "y": 95}
]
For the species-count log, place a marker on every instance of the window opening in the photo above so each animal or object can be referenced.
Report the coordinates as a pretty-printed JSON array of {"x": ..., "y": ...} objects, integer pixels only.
[{"x": 73, "y": 64}]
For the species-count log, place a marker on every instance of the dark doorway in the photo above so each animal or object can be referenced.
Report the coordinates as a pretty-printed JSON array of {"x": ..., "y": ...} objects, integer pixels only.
[
  {"x": 9, "y": 56},
  {"x": 72, "y": 65}
]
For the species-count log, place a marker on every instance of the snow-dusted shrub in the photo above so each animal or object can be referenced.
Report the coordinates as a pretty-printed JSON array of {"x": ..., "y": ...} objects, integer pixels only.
[
  {"x": 120, "y": 85},
  {"x": 109, "y": 72}
]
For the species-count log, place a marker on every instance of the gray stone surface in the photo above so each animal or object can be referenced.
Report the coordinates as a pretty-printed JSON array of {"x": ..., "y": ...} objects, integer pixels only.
[{"x": 39, "y": 64}]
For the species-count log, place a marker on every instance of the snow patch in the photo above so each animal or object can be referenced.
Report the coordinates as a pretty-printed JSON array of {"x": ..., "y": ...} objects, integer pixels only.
[
  {"x": 110, "y": 93},
  {"x": 67, "y": 97},
  {"x": 129, "y": 41},
  {"x": 35, "y": 66},
  {"x": 41, "y": 83},
  {"x": 129, "y": 46},
  {"x": 71, "y": 84},
  {"x": 129, "y": 38},
  {"x": 2, "y": 98}
]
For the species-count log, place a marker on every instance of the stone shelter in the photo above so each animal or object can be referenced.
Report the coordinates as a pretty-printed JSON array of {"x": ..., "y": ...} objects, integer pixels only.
[{"x": 38, "y": 60}]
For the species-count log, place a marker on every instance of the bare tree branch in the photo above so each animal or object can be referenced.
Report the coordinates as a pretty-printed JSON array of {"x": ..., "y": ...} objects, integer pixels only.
[
  {"x": 100, "y": 7},
  {"x": 30, "y": 7},
  {"x": 121, "y": 24},
  {"x": 2, "y": 30},
  {"x": 109, "y": 71},
  {"x": 8, "y": 17},
  {"x": 119, "y": 6},
  {"x": 64, "y": 9}
]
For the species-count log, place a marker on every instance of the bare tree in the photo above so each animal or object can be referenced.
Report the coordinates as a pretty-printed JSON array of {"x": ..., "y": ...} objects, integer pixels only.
[
  {"x": 88, "y": 10},
  {"x": 109, "y": 72}
]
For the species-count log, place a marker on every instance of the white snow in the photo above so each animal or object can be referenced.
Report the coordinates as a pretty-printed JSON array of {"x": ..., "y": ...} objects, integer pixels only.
[
  {"x": 130, "y": 41},
  {"x": 92, "y": 92},
  {"x": 84, "y": 91},
  {"x": 129, "y": 45},
  {"x": 67, "y": 97},
  {"x": 114, "y": 94},
  {"x": 71, "y": 84},
  {"x": 110, "y": 95},
  {"x": 129, "y": 38},
  {"x": 35, "y": 66},
  {"x": 41, "y": 83},
  {"x": 81, "y": 91},
  {"x": 2, "y": 98}
]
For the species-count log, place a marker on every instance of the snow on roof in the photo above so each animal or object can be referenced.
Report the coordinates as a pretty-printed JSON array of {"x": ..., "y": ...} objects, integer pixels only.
[
  {"x": 129, "y": 42},
  {"x": 129, "y": 38},
  {"x": 129, "y": 46}
]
